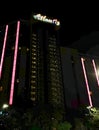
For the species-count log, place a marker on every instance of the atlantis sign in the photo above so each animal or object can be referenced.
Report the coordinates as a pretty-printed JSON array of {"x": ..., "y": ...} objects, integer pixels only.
[{"x": 45, "y": 19}]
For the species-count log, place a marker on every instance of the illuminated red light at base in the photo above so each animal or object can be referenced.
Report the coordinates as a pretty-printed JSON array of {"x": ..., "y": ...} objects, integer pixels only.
[
  {"x": 14, "y": 64},
  {"x": 3, "y": 50},
  {"x": 86, "y": 81}
]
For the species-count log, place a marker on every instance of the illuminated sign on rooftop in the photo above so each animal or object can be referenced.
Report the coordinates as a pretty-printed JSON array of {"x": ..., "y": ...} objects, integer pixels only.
[{"x": 45, "y": 19}]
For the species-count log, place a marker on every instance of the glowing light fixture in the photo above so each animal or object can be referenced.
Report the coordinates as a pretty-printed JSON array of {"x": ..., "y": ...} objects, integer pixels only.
[
  {"x": 3, "y": 50},
  {"x": 14, "y": 64},
  {"x": 95, "y": 69},
  {"x": 5, "y": 106},
  {"x": 86, "y": 81}
]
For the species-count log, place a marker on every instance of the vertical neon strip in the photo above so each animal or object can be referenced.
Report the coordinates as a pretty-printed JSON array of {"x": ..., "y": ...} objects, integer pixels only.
[
  {"x": 3, "y": 50},
  {"x": 94, "y": 65},
  {"x": 86, "y": 81},
  {"x": 14, "y": 64}
]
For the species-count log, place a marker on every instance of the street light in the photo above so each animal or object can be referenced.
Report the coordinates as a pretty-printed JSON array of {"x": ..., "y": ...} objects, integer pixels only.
[{"x": 5, "y": 106}]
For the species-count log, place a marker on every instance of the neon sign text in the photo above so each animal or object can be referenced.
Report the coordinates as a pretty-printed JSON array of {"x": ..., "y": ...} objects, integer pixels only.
[{"x": 45, "y": 19}]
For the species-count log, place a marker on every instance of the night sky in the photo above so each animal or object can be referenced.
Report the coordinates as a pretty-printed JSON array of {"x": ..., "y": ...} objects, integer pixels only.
[{"x": 77, "y": 19}]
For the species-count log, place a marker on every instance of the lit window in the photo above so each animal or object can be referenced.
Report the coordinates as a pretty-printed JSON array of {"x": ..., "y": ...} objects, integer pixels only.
[
  {"x": 33, "y": 62},
  {"x": 33, "y": 34},
  {"x": 34, "y": 38},
  {"x": 33, "y": 99},
  {"x": 33, "y": 76},
  {"x": 33, "y": 49},
  {"x": 1, "y": 88},
  {"x": 12, "y": 48},
  {"x": 34, "y": 42},
  {"x": 34, "y": 58},
  {"x": 34, "y": 46},
  {"x": 33, "y": 87},
  {"x": 34, "y": 54},
  {"x": 52, "y": 69},
  {"x": 54, "y": 84},
  {"x": 33, "y": 93},
  {"x": 19, "y": 48},
  {"x": 33, "y": 71},
  {"x": 27, "y": 49},
  {"x": 32, "y": 81},
  {"x": 33, "y": 66},
  {"x": 17, "y": 80}
]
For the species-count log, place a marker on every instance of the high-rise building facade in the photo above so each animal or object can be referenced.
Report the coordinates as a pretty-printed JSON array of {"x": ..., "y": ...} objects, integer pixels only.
[
  {"x": 46, "y": 75},
  {"x": 80, "y": 78},
  {"x": 14, "y": 52},
  {"x": 30, "y": 66}
]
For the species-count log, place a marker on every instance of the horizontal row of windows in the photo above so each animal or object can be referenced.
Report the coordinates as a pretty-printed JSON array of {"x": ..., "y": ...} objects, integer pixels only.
[
  {"x": 33, "y": 87},
  {"x": 34, "y": 38},
  {"x": 51, "y": 42},
  {"x": 33, "y": 62},
  {"x": 57, "y": 72},
  {"x": 34, "y": 46},
  {"x": 33, "y": 58},
  {"x": 55, "y": 61},
  {"x": 51, "y": 46},
  {"x": 34, "y": 34},
  {"x": 53, "y": 57},
  {"x": 56, "y": 83},
  {"x": 52, "y": 49},
  {"x": 33, "y": 81},
  {"x": 52, "y": 38},
  {"x": 54, "y": 66},
  {"x": 33, "y": 67},
  {"x": 53, "y": 70},
  {"x": 55, "y": 94},
  {"x": 56, "y": 100},
  {"x": 54, "y": 75},
  {"x": 51, "y": 53},
  {"x": 13, "y": 47},
  {"x": 33, "y": 77},
  {"x": 33, "y": 93},
  {"x": 56, "y": 89},
  {"x": 34, "y": 54},
  {"x": 56, "y": 80},
  {"x": 34, "y": 42}
]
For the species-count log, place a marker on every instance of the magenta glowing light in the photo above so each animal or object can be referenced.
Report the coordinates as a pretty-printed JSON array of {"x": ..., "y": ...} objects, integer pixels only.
[
  {"x": 95, "y": 69},
  {"x": 86, "y": 81},
  {"x": 14, "y": 64},
  {"x": 3, "y": 50}
]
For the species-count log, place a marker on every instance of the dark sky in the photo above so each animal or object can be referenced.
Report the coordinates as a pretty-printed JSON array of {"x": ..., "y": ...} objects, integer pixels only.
[{"x": 77, "y": 19}]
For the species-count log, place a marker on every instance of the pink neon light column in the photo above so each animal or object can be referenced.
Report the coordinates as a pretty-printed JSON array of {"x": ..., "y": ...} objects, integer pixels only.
[
  {"x": 14, "y": 64},
  {"x": 86, "y": 81},
  {"x": 95, "y": 69},
  {"x": 3, "y": 50}
]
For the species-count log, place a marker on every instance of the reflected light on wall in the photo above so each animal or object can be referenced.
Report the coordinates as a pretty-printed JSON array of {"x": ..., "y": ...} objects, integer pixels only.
[
  {"x": 96, "y": 71},
  {"x": 3, "y": 50},
  {"x": 14, "y": 64},
  {"x": 86, "y": 81}
]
